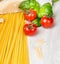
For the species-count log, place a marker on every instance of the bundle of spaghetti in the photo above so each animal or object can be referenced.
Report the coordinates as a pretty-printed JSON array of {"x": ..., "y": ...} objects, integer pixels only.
[{"x": 13, "y": 42}]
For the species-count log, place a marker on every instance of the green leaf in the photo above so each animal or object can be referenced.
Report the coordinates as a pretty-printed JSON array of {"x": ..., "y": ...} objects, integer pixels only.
[
  {"x": 24, "y": 5},
  {"x": 30, "y": 4},
  {"x": 45, "y": 9},
  {"x": 32, "y": 0},
  {"x": 36, "y": 22},
  {"x": 35, "y": 6}
]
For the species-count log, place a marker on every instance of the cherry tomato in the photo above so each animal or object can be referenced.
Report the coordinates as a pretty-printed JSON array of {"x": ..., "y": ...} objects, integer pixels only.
[
  {"x": 30, "y": 15},
  {"x": 46, "y": 22},
  {"x": 30, "y": 29}
]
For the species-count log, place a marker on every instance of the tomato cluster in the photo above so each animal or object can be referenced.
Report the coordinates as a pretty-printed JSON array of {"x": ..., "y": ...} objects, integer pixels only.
[{"x": 31, "y": 29}]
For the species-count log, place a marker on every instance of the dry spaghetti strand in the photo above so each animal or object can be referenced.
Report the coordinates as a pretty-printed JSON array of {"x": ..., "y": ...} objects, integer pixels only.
[{"x": 13, "y": 42}]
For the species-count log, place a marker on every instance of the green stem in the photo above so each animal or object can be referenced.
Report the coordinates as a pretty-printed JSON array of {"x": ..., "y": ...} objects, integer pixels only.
[{"x": 53, "y": 1}]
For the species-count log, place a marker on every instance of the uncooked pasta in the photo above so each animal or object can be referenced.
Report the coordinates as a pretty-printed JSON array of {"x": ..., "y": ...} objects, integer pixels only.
[{"x": 13, "y": 42}]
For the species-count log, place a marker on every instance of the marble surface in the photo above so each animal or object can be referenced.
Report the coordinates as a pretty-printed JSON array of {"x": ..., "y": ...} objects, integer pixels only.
[{"x": 50, "y": 39}]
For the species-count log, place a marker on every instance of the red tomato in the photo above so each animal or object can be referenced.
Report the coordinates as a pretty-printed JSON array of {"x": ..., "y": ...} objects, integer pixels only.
[
  {"x": 46, "y": 22},
  {"x": 30, "y": 29},
  {"x": 30, "y": 15}
]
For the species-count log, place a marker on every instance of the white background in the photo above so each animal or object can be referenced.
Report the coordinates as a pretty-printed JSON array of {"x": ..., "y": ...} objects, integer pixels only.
[{"x": 51, "y": 37}]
